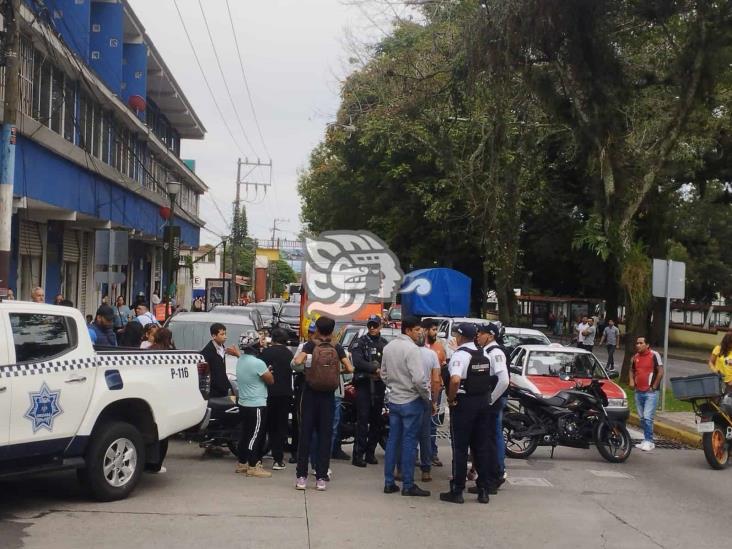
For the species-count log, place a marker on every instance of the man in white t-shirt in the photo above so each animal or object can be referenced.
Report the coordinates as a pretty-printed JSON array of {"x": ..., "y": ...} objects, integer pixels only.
[
  {"x": 578, "y": 329},
  {"x": 144, "y": 316}
]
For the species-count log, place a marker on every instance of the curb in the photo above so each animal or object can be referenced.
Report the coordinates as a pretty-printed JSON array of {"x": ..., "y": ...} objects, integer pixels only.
[{"x": 671, "y": 430}]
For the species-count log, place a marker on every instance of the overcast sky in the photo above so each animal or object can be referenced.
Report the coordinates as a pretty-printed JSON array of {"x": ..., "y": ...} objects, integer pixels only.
[{"x": 294, "y": 54}]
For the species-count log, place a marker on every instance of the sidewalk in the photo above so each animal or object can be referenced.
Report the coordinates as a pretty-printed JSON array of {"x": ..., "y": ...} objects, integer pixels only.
[
  {"x": 679, "y": 426},
  {"x": 675, "y": 353}
]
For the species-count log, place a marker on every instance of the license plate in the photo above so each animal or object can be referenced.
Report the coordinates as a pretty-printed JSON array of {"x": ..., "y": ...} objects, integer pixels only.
[{"x": 705, "y": 427}]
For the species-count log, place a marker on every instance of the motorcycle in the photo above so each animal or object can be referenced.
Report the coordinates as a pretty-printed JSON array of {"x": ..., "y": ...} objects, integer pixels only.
[
  {"x": 574, "y": 418},
  {"x": 223, "y": 427},
  {"x": 713, "y": 407},
  {"x": 347, "y": 431}
]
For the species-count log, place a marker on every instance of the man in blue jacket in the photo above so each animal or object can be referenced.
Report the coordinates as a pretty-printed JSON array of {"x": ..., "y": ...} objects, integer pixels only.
[{"x": 100, "y": 330}]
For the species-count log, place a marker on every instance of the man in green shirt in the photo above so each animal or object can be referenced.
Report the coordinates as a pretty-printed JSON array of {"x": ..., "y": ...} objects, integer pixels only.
[{"x": 252, "y": 376}]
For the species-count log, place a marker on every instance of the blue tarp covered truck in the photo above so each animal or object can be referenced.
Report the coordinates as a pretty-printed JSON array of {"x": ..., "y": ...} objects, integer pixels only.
[{"x": 448, "y": 293}]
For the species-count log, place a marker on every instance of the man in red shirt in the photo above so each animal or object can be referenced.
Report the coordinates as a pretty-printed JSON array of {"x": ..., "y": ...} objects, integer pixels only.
[
  {"x": 431, "y": 342},
  {"x": 645, "y": 377}
]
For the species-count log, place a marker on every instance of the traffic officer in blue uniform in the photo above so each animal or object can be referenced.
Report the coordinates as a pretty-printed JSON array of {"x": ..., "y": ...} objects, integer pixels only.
[
  {"x": 472, "y": 421},
  {"x": 367, "y": 351},
  {"x": 487, "y": 340}
]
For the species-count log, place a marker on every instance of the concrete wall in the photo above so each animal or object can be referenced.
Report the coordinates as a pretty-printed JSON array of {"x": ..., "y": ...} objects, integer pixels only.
[{"x": 695, "y": 338}]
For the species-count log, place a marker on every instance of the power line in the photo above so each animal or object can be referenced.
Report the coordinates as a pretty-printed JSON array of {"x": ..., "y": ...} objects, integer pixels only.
[
  {"x": 218, "y": 209},
  {"x": 205, "y": 79},
  {"x": 223, "y": 77},
  {"x": 246, "y": 82}
]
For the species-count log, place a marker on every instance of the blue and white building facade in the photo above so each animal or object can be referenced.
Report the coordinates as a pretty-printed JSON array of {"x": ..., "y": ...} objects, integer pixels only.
[{"x": 100, "y": 123}]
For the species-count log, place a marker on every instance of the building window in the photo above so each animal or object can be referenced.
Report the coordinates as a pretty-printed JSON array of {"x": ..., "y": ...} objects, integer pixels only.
[
  {"x": 27, "y": 74},
  {"x": 107, "y": 129},
  {"x": 97, "y": 131},
  {"x": 57, "y": 101},
  {"x": 69, "y": 111}
]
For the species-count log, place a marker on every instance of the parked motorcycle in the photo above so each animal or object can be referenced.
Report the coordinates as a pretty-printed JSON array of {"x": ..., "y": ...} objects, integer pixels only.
[
  {"x": 574, "y": 418},
  {"x": 348, "y": 418},
  {"x": 713, "y": 407},
  {"x": 223, "y": 427}
]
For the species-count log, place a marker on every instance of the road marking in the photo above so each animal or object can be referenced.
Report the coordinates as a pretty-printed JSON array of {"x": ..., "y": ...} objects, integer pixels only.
[
  {"x": 610, "y": 474},
  {"x": 528, "y": 481}
]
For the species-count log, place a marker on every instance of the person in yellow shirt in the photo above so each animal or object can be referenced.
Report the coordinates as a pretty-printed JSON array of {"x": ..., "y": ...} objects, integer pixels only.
[{"x": 721, "y": 360}]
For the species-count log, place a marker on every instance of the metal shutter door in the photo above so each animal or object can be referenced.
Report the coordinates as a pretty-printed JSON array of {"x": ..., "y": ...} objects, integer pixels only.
[
  {"x": 84, "y": 269},
  {"x": 71, "y": 246},
  {"x": 30, "y": 238}
]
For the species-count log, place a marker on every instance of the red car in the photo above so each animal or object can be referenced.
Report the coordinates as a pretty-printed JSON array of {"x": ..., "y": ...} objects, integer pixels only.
[{"x": 538, "y": 367}]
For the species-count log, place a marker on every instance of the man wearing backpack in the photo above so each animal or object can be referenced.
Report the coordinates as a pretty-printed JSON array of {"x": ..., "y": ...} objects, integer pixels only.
[
  {"x": 322, "y": 376},
  {"x": 472, "y": 419}
]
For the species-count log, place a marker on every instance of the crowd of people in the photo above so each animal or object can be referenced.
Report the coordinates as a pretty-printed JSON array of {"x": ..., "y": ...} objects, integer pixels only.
[
  {"x": 411, "y": 374},
  {"x": 410, "y": 371}
]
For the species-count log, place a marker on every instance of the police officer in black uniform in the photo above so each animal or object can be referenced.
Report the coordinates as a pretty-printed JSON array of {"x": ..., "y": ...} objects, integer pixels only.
[
  {"x": 367, "y": 352},
  {"x": 487, "y": 339},
  {"x": 472, "y": 421}
]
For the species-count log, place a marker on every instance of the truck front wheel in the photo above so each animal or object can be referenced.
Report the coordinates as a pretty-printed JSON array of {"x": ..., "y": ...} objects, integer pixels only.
[{"x": 115, "y": 460}]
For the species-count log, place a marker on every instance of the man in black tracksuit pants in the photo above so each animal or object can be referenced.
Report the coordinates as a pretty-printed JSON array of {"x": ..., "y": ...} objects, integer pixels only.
[
  {"x": 366, "y": 352},
  {"x": 279, "y": 395}
]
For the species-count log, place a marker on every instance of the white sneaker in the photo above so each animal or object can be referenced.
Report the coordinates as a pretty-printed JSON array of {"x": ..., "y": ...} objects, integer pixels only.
[
  {"x": 649, "y": 446},
  {"x": 641, "y": 445}
]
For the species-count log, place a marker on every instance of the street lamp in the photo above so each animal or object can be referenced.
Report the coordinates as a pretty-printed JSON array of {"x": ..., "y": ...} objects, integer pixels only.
[{"x": 173, "y": 189}]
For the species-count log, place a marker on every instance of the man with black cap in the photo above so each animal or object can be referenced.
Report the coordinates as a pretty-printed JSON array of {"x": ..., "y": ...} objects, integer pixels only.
[
  {"x": 471, "y": 420},
  {"x": 367, "y": 351},
  {"x": 101, "y": 330},
  {"x": 486, "y": 339}
]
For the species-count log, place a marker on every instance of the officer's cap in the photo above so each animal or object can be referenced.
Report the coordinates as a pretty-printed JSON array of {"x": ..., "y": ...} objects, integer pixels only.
[
  {"x": 374, "y": 320},
  {"x": 466, "y": 329},
  {"x": 489, "y": 328}
]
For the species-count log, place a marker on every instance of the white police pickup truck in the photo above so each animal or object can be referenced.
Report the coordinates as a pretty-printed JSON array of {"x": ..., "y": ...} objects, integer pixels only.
[{"x": 107, "y": 414}]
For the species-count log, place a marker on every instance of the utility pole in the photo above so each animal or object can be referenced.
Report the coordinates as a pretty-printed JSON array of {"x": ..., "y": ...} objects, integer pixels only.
[
  {"x": 257, "y": 183},
  {"x": 275, "y": 229},
  {"x": 11, "y": 9}
]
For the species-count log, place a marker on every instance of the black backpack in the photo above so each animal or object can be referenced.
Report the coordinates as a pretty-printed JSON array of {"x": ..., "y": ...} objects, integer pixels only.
[{"x": 479, "y": 380}]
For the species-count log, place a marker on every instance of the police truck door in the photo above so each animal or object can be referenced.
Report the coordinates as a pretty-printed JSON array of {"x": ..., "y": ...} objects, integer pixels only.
[
  {"x": 54, "y": 384},
  {"x": 5, "y": 391}
]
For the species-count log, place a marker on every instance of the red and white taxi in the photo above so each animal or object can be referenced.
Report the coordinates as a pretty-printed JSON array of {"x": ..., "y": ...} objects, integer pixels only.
[{"x": 538, "y": 368}]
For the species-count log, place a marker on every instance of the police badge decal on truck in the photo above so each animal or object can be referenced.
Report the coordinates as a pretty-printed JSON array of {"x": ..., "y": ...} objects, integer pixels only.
[{"x": 44, "y": 408}]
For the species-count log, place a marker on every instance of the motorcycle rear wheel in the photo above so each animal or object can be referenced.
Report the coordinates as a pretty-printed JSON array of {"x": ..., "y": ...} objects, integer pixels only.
[
  {"x": 519, "y": 447},
  {"x": 613, "y": 441},
  {"x": 716, "y": 448}
]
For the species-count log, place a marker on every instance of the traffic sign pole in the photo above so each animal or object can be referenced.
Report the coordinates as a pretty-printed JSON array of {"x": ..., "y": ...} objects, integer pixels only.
[{"x": 664, "y": 381}]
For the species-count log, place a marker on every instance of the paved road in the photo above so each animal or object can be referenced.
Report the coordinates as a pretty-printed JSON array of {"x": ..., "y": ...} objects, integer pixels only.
[
  {"x": 666, "y": 498},
  {"x": 677, "y": 367}
]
